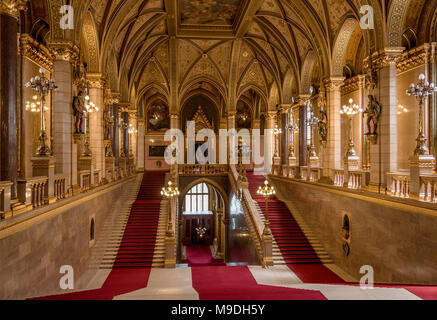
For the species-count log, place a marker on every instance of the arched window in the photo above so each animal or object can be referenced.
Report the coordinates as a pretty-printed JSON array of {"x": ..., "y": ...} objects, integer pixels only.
[
  {"x": 197, "y": 199},
  {"x": 92, "y": 227}
]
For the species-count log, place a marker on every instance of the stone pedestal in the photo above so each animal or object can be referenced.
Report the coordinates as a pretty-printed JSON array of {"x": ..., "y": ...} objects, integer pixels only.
[
  {"x": 419, "y": 165},
  {"x": 314, "y": 162},
  {"x": 122, "y": 167},
  {"x": 276, "y": 165},
  {"x": 292, "y": 161},
  {"x": 170, "y": 252},
  {"x": 45, "y": 167},
  {"x": 268, "y": 250},
  {"x": 110, "y": 169},
  {"x": 5, "y": 200}
]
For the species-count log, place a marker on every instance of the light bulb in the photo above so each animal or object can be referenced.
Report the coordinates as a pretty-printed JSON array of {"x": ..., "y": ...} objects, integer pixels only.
[{"x": 421, "y": 77}]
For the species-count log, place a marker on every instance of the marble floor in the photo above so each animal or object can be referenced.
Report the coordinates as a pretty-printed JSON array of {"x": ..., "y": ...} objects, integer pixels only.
[{"x": 177, "y": 284}]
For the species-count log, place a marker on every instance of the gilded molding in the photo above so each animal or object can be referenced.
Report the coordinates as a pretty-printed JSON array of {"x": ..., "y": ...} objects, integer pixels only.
[
  {"x": 413, "y": 58},
  {"x": 36, "y": 52},
  {"x": 13, "y": 7},
  {"x": 384, "y": 58},
  {"x": 64, "y": 50},
  {"x": 353, "y": 84}
]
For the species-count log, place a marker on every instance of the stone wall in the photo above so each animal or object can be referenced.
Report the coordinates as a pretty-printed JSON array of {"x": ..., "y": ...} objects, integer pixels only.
[
  {"x": 33, "y": 250},
  {"x": 396, "y": 237}
]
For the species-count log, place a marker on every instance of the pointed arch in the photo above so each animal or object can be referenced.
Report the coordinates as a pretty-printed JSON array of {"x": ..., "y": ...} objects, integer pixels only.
[{"x": 340, "y": 46}]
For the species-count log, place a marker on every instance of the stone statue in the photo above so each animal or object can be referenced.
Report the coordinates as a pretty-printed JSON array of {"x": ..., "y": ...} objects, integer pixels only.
[
  {"x": 109, "y": 122},
  {"x": 78, "y": 109},
  {"x": 373, "y": 112},
  {"x": 323, "y": 123},
  {"x": 323, "y": 126}
]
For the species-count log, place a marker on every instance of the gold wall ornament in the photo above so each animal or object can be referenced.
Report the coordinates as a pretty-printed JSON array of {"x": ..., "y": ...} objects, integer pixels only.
[
  {"x": 13, "y": 7},
  {"x": 36, "y": 52}
]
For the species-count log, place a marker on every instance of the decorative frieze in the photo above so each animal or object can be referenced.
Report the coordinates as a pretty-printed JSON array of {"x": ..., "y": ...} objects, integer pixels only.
[{"x": 36, "y": 52}]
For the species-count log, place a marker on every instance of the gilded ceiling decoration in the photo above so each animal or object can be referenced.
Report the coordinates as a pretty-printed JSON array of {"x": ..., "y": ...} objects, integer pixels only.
[{"x": 276, "y": 47}]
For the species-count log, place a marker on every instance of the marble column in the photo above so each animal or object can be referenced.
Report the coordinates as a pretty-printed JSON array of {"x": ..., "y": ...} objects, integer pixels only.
[
  {"x": 96, "y": 82},
  {"x": 384, "y": 154},
  {"x": 65, "y": 54},
  {"x": 333, "y": 92},
  {"x": 9, "y": 13}
]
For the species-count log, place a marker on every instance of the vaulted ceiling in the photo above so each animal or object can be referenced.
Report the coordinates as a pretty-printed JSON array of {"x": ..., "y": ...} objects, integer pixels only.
[{"x": 277, "y": 48}]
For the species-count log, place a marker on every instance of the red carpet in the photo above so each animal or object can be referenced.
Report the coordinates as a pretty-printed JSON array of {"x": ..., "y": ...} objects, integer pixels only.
[
  {"x": 201, "y": 256},
  {"x": 134, "y": 259},
  {"x": 237, "y": 283},
  {"x": 292, "y": 242}
]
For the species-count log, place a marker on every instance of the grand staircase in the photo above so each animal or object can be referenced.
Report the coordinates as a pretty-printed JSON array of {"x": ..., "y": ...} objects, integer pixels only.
[
  {"x": 137, "y": 239},
  {"x": 293, "y": 241}
]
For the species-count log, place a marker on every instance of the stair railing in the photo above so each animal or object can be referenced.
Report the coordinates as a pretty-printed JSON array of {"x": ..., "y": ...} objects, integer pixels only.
[{"x": 253, "y": 215}]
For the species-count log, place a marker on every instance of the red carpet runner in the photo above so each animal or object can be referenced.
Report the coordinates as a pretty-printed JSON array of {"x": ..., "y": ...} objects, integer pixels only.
[
  {"x": 201, "y": 256},
  {"x": 238, "y": 283},
  {"x": 292, "y": 242},
  {"x": 132, "y": 266}
]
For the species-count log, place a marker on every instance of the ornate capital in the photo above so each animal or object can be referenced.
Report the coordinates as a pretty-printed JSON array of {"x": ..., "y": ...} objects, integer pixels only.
[
  {"x": 64, "y": 50},
  {"x": 12, "y": 7},
  {"x": 35, "y": 51},
  {"x": 333, "y": 83},
  {"x": 384, "y": 58},
  {"x": 96, "y": 80},
  {"x": 111, "y": 97}
]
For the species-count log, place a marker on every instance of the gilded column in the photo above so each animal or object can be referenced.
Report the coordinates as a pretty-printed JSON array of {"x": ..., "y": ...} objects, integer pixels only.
[{"x": 9, "y": 14}]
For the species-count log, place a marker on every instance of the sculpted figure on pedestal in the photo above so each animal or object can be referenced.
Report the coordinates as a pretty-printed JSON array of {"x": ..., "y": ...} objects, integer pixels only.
[
  {"x": 78, "y": 112},
  {"x": 373, "y": 112}
]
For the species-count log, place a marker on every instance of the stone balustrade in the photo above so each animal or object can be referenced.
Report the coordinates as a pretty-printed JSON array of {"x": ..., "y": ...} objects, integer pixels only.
[
  {"x": 428, "y": 188},
  {"x": 32, "y": 192},
  {"x": 400, "y": 184},
  {"x": 85, "y": 180},
  {"x": 203, "y": 169},
  {"x": 339, "y": 177},
  {"x": 60, "y": 186}
]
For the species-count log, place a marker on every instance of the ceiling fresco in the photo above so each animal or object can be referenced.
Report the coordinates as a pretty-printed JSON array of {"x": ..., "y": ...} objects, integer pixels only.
[{"x": 208, "y": 12}]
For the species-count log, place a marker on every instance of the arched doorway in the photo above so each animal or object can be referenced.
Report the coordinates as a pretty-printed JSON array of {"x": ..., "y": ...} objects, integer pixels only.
[{"x": 203, "y": 218}]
